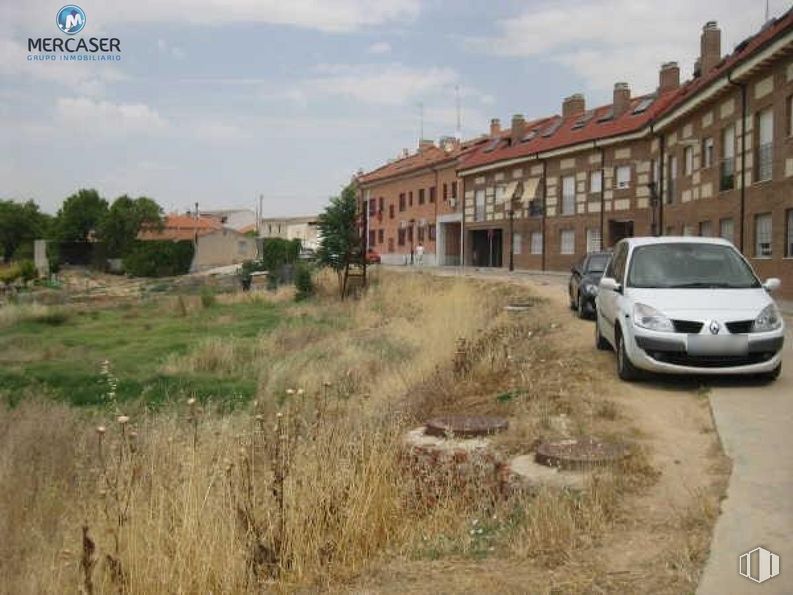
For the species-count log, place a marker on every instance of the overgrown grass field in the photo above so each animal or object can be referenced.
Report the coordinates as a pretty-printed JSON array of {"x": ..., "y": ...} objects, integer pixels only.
[{"x": 60, "y": 351}]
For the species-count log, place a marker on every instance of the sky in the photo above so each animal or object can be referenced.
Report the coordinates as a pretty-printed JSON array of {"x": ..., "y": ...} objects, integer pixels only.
[{"x": 221, "y": 102}]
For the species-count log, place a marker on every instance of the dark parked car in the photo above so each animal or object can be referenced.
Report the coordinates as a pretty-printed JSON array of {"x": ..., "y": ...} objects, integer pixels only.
[
  {"x": 372, "y": 257},
  {"x": 584, "y": 278}
]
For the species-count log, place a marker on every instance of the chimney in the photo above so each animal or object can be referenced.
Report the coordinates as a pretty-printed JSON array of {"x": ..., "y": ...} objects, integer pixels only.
[
  {"x": 425, "y": 144},
  {"x": 573, "y": 105},
  {"x": 669, "y": 77},
  {"x": 710, "y": 47},
  {"x": 622, "y": 98},
  {"x": 495, "y": 127},
  {"x": 518, "y": 128}
]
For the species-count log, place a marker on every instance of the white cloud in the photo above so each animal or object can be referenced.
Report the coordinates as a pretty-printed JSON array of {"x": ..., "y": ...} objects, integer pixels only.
[
  {"x": 326, "y": 15},
  {"x": 167, "y": 49},
  {"x": 381, "y": 47},
  {"x": 91, "y": 118},
  {"x": 393, "y": 84},
  {"x": 605, "y": 41}
]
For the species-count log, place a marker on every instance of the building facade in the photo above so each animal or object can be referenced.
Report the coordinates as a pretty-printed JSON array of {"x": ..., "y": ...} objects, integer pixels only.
[
  {"x": 712, "y": 156},
  {"x": 416, "y": 200}
]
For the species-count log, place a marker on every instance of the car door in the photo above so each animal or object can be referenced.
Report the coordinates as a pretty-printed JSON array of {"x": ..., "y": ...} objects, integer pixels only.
[{"x": 608, "y": 300}]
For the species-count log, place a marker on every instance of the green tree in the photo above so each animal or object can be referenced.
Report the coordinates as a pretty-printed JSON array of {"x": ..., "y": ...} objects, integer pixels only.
[
  {"x": 80, "y": 214},
  {"x": 19, "y": 223},
  {"x": 340, "y": 239},
  {"x": 125, "y": 218}
]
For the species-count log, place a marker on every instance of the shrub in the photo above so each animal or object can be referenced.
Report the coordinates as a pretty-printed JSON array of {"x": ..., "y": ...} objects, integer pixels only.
[
  {"x": 208, "y": 298},
  {"x": 159, "y": 258},
  {"x": 277, "y": 252},
  {"x": 303, "y": 283},
  {"x": 27, "y": 270},
  {"x": 10, "y": 274}
]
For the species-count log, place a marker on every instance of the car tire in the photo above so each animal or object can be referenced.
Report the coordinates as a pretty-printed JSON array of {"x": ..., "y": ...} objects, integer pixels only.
[
  {"x": 769, "y": 377},
  {"x": 600, "y": 340},
  {"x": 580, "y": 306},
  {"x": 625, "y": 368}
]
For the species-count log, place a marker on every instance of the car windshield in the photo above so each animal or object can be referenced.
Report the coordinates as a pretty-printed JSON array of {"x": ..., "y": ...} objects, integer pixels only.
[
  {"x": 689, "y": 265},
  {"x": 597, "y": 263}
]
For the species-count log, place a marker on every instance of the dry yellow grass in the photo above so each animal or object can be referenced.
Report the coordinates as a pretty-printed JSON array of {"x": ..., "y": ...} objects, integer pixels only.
[{"x": 304, "y": 487}]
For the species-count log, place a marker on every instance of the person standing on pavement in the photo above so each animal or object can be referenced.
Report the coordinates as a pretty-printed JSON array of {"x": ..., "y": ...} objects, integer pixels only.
[{"x": 420, "y": 254}]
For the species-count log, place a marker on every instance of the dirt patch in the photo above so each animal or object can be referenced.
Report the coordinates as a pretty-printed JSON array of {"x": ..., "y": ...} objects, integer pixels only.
[{"x": 659, "y": 537}]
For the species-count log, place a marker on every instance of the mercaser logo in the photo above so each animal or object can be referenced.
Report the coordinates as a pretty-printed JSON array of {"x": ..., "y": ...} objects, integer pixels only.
[
  {"x": 758, "y": 565},
  {"x": 71, "y": 19}
]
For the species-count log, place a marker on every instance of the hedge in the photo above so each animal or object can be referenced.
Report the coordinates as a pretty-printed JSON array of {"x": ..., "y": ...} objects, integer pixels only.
[{"x": 159, "y": 258}]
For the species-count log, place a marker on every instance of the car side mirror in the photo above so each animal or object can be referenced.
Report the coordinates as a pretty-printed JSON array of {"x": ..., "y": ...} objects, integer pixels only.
[
  {"x": 771, "y": 284},
  {"x": 610, "y": 284}
]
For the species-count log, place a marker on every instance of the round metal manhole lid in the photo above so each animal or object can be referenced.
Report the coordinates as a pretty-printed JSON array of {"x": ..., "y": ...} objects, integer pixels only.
[
  {"x": 465, "y": 426},
  {"x": 579, "y": 453}
]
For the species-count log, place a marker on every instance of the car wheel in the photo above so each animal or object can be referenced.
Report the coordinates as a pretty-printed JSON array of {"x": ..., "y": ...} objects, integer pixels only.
[
  {"x": 600, "y": 340},
  {"x": 581, "y": 306},
  {"x": 625, "y": 369},
  {"x": 772, "y": 375}
]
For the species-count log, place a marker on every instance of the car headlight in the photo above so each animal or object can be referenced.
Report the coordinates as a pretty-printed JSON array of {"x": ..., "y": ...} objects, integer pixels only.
[
  {"x": 651, "y": 319},
  {"x": 768, "y": 320}
]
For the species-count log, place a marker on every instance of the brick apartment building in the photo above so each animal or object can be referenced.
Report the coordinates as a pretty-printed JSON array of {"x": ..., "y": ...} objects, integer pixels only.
[
  {"x": 713, "y": 156},
  {"x": 416, "y": 199}
]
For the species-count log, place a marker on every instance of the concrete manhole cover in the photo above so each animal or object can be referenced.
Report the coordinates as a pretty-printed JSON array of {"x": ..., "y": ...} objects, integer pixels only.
[
  {"x": 579, "y": 453},
  {"x": 465, "y": 426}
]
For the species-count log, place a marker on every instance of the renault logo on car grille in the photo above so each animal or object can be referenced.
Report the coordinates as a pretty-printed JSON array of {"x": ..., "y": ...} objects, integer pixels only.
[{"x": 714, "y": 327}]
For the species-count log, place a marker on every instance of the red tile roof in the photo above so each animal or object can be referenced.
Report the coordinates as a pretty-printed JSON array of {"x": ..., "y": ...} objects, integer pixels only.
[
  {"x": 182, "y": 227},
  {"x": 566, "y": 135},
  {"x": 431, "y": 156}
]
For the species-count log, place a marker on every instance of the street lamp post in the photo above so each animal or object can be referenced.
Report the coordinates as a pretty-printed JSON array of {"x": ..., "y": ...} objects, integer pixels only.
[
  {"x": 512, "y": 199},
  {"x": 654, "y": 208}
]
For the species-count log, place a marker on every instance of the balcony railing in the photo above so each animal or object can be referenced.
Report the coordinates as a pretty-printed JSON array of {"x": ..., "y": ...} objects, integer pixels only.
[
  {"x": 727, "y": 177},
  {"x": 765, "y": 160}
]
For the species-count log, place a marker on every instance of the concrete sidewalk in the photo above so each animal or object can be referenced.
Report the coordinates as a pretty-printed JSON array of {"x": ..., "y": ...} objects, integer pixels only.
[{"x": 755, "y": 424}]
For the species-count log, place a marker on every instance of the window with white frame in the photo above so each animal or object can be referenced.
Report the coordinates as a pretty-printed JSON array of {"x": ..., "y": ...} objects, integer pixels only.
[
  {"x": 762, "y": 235},
  {"x": 623, "y": 176},
  {"x": 596, "y": 181},
  {"x": 707, "y": 152},
  {"x": 500, "y": 191},
  {"x": 727, "y": 229},
  {"x": 479, "y": 198},
  {"x": 593, "y": 239},
  {"x": 705, "y": 229},
  {"x": 567, "y": 241},
  {"x": 789, "y": 234},
  {"x": 517, "y": 243},
  {"x": 688, "y": 159},
  {"x": 568, "y": 195},
  {"x": 671, "y": 176},
  {"x": 765, "y": 144},
  {"x": 536, "y": 242}
]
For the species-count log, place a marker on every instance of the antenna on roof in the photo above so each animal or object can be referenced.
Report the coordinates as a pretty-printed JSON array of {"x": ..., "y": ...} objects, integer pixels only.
[
  {"x": 459, "y": 130},
  {"x": 767, "y": 16},
  {"x": 421, "y": 121}
]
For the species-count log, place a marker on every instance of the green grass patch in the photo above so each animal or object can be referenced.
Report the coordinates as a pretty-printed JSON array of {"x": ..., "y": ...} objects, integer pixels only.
[{"x": 62, "y": 355}]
